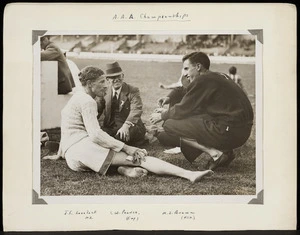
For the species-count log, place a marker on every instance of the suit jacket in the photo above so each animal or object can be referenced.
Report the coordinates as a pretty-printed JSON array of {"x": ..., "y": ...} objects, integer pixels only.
[
  {"x": 130, "y": 105},
  {"x": 53, "y": 53}
]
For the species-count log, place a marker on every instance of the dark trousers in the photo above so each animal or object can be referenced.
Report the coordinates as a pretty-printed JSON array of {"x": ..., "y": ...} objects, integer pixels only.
[
  {"x": 188, "y": 151},
  {"x": 136, "y": 132},
  {"x": 205, "y": 131}
]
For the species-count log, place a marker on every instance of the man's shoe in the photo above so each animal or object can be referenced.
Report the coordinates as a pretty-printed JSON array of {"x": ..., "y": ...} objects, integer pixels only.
[
  {"x": 44, "y": 152},
  {"x": 231, "y": 157},
  {"x": 52, "y": 146},
  {"x": 224, "y": 160},
  {"x": 189, "y": 152}
]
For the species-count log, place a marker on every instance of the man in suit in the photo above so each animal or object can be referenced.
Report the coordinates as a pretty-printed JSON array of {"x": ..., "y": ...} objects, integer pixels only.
[
  {"x": 211, "y": 115},
  {"x": 122, "y": 108},
  {"x": 50, "y": 52}
]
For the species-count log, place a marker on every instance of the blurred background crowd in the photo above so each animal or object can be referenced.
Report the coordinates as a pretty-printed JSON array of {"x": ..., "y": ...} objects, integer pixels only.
[{"x": 212, "y": 45}]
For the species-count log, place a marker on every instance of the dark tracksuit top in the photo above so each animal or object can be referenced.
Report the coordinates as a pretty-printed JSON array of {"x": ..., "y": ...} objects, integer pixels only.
[{"x": 213, "y": 110}]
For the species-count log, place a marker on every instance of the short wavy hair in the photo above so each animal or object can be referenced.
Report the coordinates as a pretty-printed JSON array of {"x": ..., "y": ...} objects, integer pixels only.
[
  {"x": 89, "y": 73},
  {"x": 197, "y": 57}
]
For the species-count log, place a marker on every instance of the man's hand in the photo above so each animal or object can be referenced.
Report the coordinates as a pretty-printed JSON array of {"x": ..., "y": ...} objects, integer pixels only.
[
  {"x": 155, "y": 118},
  {"x": 137, "y": 153},
  {"x": 140, "y": 155},
  {"x": 185, "y": 81},
  {"x": 162, "y": 101},
  {"x": 124, "y": 132},
  {"x": 159, "y": 110}
]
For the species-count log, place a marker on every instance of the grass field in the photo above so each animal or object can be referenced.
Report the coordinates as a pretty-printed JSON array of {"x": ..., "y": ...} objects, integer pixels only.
[{"x": 238, "y": 179}]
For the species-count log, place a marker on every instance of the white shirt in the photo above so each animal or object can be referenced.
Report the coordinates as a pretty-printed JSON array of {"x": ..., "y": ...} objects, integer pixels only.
[{"x": 235, "y": 77}]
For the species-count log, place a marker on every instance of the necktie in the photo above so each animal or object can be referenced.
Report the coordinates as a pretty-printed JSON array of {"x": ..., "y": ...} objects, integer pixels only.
[
  {"x": 114, "y": 107},
  {"x": 115, "y": 101}
]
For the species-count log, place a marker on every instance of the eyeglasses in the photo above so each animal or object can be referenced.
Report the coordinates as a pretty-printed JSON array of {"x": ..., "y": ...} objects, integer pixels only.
[{"x": 115, "y": 78}]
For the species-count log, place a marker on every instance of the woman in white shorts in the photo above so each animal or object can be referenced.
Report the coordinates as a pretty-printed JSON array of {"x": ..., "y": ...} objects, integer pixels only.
[{"x": 86, "y": 147}]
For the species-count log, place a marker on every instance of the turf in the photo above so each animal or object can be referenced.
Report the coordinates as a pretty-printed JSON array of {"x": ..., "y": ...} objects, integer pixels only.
[{"x": 237, "y": 179}]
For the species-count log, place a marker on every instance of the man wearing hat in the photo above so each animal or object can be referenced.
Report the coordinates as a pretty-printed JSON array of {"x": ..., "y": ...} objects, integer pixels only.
[
  {"x": 122, "y": 108},
  {"x": 213, "y": 114}
]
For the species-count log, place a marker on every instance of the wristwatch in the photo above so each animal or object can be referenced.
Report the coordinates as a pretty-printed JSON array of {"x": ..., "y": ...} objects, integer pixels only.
[{"x": 129, "y": 123}]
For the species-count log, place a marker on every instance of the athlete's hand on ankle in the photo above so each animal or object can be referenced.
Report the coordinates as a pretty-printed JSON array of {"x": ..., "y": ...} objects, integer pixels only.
[
  {"x": 134, "y": 151},
  {"x": 140, "y": 155}
]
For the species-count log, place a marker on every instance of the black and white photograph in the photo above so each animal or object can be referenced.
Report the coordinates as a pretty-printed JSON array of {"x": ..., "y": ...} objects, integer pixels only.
[{"x": 149, "y": 114}]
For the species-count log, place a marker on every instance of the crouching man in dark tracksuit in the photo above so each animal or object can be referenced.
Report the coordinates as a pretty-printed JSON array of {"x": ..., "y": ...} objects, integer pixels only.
[{"x": 212, "y": 114}]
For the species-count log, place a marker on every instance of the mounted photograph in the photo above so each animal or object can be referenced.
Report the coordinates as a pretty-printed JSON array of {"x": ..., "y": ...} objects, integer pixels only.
[{"x": 147, "y": 117}]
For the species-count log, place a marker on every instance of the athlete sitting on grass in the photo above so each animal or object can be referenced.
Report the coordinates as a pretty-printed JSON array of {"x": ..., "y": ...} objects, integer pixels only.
[{"x": 85, "y": 146}]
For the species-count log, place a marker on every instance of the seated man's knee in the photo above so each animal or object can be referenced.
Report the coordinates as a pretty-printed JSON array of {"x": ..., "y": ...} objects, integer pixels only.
[
  {"x": 136, "y": 134},
  {"x": 169, "y": 125},
  {"x": 168, "y": 140},
  {"x": 162, "y": 138}
]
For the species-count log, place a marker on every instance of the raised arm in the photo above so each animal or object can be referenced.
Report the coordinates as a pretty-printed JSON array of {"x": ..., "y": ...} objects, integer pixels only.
[{"x": 197, "y": 95}]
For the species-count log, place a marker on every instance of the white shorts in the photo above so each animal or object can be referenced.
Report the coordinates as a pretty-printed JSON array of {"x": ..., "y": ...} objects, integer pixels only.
[{"x": 87, "y": 155}]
